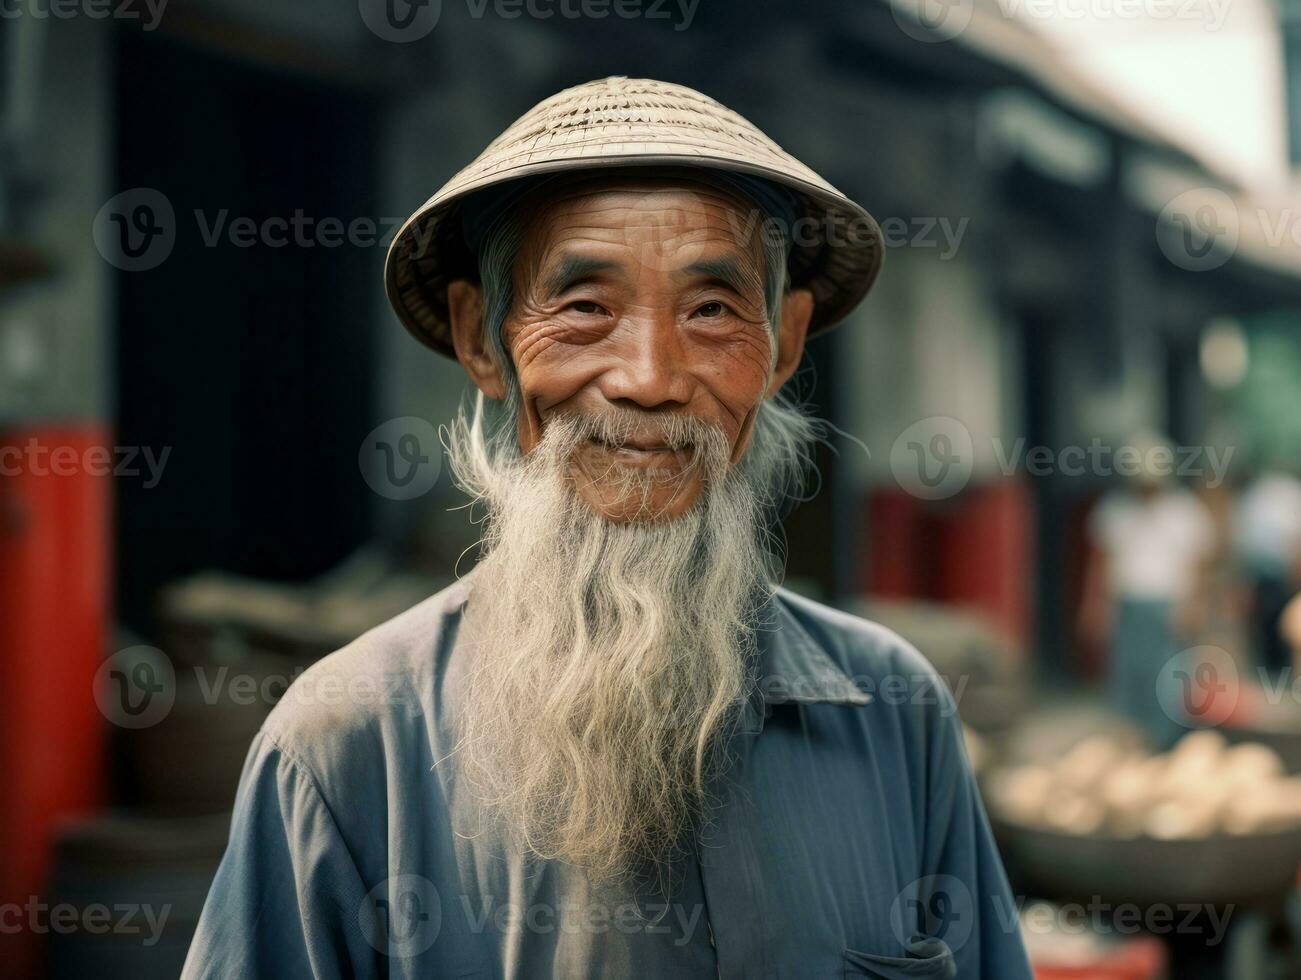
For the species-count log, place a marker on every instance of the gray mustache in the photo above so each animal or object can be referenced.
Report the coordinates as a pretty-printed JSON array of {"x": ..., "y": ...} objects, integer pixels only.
[{"x": 618, "y": 426}]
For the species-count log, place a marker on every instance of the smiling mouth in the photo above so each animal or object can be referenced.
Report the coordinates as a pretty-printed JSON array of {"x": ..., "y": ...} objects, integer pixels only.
[{"x": 648, "y": 452}]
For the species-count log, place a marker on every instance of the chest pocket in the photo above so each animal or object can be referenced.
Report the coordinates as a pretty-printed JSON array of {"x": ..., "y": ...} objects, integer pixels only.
[{"x": 926, "y": 958}]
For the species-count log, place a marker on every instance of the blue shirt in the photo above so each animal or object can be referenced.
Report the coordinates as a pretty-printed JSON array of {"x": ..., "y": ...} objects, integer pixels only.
[{"x": 848, "y": 839}]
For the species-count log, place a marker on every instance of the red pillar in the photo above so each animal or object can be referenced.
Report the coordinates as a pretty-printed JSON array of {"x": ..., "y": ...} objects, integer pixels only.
[{"x": 54, "y": 615}]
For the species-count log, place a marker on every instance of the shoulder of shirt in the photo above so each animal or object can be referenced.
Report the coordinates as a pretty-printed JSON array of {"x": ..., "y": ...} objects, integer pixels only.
[
  {"x": 861, "y": 648},
  {"x": 355, "y": 695}
]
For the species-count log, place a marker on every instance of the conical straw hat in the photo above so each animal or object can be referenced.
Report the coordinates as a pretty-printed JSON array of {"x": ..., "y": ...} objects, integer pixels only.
[{"x": 632, "y": 122}]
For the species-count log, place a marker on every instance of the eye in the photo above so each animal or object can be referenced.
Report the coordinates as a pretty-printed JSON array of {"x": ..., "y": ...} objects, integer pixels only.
[
  {"x": 711, "y": 309},
  {"x": 587, "y": 307}
]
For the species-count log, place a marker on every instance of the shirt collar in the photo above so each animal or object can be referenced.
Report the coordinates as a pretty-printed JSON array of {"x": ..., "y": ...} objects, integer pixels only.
[{"x": 792, "y": 668}]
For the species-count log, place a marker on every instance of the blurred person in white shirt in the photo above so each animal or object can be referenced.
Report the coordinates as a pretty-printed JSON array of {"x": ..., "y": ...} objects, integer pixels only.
[
  {"x": 1267, "y": 539},
  {"x": 1144, "y": 593}
]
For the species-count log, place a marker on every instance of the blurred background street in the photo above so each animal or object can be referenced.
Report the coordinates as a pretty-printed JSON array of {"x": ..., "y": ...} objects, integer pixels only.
[{"x": 1067, "y": 452}]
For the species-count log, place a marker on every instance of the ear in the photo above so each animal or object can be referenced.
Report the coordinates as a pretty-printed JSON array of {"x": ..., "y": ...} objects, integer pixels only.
[
  {"x": 465, "y": 311},
  {"x": 797, "y": 310}
]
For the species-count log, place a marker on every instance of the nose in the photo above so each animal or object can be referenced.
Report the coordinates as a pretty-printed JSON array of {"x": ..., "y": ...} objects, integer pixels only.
[{"x": 652, "y": 368}]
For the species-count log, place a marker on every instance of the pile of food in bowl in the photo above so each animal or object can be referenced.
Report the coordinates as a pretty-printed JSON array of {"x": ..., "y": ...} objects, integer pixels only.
[{"x": 1110, "y": 786}]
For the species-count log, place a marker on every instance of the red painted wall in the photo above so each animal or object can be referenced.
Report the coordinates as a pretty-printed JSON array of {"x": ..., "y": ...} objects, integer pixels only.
[{"x": 975, "y": 549}]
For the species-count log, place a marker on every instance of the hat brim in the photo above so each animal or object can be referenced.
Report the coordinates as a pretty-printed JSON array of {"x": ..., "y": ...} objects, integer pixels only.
[{"x": 837, "y": 251}]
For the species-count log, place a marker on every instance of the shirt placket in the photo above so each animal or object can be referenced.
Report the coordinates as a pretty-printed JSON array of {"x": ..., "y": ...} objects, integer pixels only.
[{"x": 731, "y": 866}]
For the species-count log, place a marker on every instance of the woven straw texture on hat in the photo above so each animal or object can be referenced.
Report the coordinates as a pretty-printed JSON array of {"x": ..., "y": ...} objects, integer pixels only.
[{"x": 625, "y": 122}]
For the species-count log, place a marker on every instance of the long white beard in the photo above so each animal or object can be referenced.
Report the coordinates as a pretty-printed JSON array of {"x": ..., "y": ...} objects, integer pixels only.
[{"x": 607, "y": 659}]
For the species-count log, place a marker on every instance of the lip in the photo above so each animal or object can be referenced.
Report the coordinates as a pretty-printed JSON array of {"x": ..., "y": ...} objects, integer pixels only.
[
  {"x": 647, "y": 442},
  {"x": 646, "y": 446},
  {"x": 644, "y": 454}
]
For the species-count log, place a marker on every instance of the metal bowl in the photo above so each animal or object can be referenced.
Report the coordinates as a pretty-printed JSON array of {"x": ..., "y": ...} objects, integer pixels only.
[{"x": 1218, "y": 870}]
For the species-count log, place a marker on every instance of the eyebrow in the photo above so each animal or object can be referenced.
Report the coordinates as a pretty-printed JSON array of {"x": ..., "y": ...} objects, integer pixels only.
[
  {"x": 574, "y": 269},
  {"x": 736, "y": 276}
]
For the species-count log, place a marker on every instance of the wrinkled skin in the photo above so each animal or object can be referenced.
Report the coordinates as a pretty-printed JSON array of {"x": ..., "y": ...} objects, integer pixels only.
[{"x": 645, "y": 294}]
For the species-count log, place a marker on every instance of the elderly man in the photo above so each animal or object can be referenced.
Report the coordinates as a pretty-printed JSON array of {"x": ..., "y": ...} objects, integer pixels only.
[{"x": 616, "y": 748}]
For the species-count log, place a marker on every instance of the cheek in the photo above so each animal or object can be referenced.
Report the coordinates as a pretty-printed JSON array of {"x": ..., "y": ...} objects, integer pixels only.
[
  {"x": 736, "y": 375},
  {"x": 549, "y": 380}
]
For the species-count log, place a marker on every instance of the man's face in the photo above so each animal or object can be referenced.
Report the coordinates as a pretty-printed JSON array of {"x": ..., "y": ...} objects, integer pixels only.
[{"x": 647, "y": 296}]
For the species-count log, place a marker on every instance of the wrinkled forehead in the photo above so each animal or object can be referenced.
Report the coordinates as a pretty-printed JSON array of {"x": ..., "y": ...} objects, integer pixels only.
[{"x": 676, "y": 217}]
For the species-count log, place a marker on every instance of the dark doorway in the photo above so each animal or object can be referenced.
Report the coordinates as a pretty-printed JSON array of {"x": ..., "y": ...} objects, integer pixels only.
[
  {"x": 252, "y": 363},
  {"x": 1048, "y": 575}
]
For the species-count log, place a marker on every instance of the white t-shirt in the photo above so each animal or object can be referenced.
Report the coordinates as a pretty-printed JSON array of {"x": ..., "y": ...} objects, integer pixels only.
[
  {"x": 1269, "y": 523},
  {"x": 1153, "y": 545}
]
